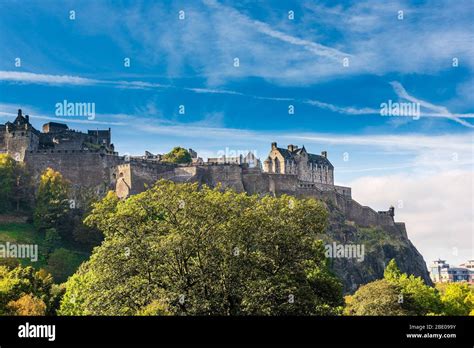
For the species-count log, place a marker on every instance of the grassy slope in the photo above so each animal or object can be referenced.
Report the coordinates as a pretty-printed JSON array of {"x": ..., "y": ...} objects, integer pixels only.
[{"x": 24, "y": 233}]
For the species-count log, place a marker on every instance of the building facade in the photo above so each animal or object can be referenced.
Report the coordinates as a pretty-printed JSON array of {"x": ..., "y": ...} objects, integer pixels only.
[
  {"x": 297, "y": 161},
  {"x": 249, "y": 160},
  {"x": 441, "y": 272}
]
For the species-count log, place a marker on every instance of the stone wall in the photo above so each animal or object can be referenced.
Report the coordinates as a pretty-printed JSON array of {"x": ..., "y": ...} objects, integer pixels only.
[
  {"x": 84, "y": 169},
  {"x": 134, "y": 176},
  {"x": 254, "y": 181},
  {"x": 228, "y": 175},
  {"x": 17, "y": 143},
  {"x": 282, "y": 183}
]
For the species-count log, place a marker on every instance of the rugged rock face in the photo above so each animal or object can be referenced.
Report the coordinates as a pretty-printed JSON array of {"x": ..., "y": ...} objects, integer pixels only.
[{"x": 381, "y": 244}]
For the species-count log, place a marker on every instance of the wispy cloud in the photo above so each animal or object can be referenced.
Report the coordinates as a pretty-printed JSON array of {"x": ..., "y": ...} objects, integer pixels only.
[
  {"x": 434, "y": 110},
  {"x": 28, "y": 77},
  {"x": 313, "y": 47},
  {"x": 431, "y": 109}
]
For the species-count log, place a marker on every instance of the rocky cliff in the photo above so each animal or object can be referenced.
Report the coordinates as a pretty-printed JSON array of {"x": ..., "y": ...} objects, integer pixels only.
[{"x": 381, "y": 244}]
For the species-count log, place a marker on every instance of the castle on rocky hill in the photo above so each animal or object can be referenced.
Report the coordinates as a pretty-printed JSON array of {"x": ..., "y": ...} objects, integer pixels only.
[
  {"x": 88, "y": 161},
  {"x": 19, "y": 137}
]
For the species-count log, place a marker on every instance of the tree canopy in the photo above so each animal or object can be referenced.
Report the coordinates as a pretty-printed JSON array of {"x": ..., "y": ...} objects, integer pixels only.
[
  {"x": 26, "y": 291},
  {"x": 178, "y": 155},
  {"x": 401, "y": 294},
  {"x": 181, "y": 249},
  {"x": 52, "y": 204},
  {"x": 15, "y": 185},
  {"x": 379, "y": 297}
]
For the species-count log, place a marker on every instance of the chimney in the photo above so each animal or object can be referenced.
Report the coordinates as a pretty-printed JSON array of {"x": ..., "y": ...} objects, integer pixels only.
[
  {"x": 292, "y": 147},
  {"x": 19, "y": 112},
  {"x": 274, "y": 146},
  {"x": 324, "y": 154},
  {"x": 391, "y": 211},
  {"x": 27, "y": 118}
]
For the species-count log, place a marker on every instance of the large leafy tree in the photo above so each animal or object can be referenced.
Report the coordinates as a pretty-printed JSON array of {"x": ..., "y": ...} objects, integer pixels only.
[
  {"x": 52, "y": 203},
  {"x": 420, "y": 298},
  {"x": 15, "y": 185},
  {"x": 178, "y": 155},
  {"x": 396, "y": 294},
  {"x": 7, "y": 181},
  {"x": 458, "y": 299},
  {"x": 27, "y": 305},
  {"x": 26, "y": 290},
  {"x": 379, "y": 297},
  {"x": 181, "y": 249}
]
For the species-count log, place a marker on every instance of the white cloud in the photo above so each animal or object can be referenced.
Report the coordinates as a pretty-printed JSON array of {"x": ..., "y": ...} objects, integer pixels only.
[
  {"x": 437, "y": 209},
  {"x": 33, "y": 78},
  {"x": 435, "y": 110},
  {"x": 313, "y": 47},
  {"x": 27, "y": 77}
]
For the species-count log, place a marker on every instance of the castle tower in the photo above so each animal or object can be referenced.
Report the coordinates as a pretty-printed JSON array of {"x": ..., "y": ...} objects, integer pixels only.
[{"x": 20, "y": 136}]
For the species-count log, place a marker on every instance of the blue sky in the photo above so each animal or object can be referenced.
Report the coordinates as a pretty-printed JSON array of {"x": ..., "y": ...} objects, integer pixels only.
[{"x": 282, "y": 62}]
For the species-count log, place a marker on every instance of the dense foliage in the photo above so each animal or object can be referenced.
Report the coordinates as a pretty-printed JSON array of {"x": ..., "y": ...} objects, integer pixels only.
[
  {"x": 179, "y": 249},
  {"x": 178, "y": 155},
  {"x": 15, "y": 185},
  {"x": 52, "y": 203},
  {"x": 26, "y": 291},
  {"x": 182, "y": 249},
  {"x": 400, "y": 294}
]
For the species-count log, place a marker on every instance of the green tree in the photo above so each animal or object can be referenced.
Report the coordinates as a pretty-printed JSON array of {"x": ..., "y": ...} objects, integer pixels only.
[
  {"x": 376, "y": 298},
  {"x": 458, "y": 299},
  {"x": 78, "y": 287},
  {"x": 7, "y": 181},
  {"x": 15, "y": 185},
  {"x": 155, "y": 308},
  {"x": 52, "y": 203},
  {"x": 52, "y": 240},
  {"x": 178, "y": 155},
  {"x": 392, "y": 272},
  {"x": 61, "y": 264},
  {"x": 396, "y": 294},
  {"x": 418, "y": 297},
  {"x": 202, "y": 251},
  {"x": 20, "y": 281},
  {"x": 83, "y": 235}
]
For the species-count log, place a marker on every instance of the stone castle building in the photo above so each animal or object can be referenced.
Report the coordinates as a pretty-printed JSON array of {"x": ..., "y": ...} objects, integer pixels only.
[
  {"x": 19, "y": 137},
  {"x": 88, "y": 161},
  {"x": 249, "y": 160},
  {"x": 297, "y": 161}
]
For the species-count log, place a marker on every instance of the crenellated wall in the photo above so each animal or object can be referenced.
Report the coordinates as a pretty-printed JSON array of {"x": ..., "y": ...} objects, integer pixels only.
[
  {"x": 128, "y": 176},
  {"x": 82, "y": 168}
]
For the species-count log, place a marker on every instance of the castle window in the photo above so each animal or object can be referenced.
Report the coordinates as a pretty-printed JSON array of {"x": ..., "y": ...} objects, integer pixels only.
[{"x": 276, "y": 164}]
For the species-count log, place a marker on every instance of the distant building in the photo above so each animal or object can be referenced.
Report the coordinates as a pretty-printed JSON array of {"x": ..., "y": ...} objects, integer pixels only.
[
  {"x": 250, "y": 160},
  {"x": 306, "y": 166},
  {"x": 468, "y": 264},
  {"x": 148, "y": 157},
  {"x": 441, "y": 272},
  {"x": 196, "y": 160}
]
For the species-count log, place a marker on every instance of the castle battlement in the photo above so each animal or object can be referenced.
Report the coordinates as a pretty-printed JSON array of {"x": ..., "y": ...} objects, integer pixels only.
[
  {"x": 19, "y": 137},
  {"x": 88, "y": 160}
]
